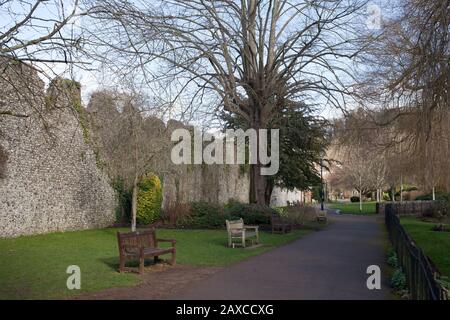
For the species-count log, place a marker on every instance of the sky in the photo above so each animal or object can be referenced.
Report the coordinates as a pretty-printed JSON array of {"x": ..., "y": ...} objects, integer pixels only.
[{"x": 93, "y": 80}]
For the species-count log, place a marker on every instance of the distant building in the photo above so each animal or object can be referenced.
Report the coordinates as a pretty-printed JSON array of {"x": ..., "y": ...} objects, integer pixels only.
[{"x": 280, "y": 197}]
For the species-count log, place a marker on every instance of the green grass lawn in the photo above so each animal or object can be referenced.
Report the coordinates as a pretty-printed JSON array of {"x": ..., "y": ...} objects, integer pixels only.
[
  {"x": 34, "y": 267},
  {"x": 436, "y": 245},
  {"x": 353, "y": 207}
]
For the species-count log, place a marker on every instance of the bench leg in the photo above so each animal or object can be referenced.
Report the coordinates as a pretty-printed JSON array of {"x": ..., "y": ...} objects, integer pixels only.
[
  {"x": 243, "y": 242},
  {"x": 156, "y": 259},
  {"x": 141, "y": 264},
  {"x": 122, "y": 265},
  {"x": 173, "y": 260}
]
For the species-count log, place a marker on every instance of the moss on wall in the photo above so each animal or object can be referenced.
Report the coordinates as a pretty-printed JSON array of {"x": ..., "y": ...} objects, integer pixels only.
[{"x": 82, "y": 119}]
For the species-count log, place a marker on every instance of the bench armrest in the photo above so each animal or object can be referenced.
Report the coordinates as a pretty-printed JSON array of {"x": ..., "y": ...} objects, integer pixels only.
[
  {"x": 173, "y": 241},
  {"x": 251, "y": 227}
]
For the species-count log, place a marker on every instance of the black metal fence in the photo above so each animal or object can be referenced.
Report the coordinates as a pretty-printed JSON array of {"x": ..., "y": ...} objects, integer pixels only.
[{"x": 420, "y": 274}]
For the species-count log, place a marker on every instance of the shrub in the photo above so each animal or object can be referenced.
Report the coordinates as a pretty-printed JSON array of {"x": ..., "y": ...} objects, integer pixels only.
[
  {"x": 354, "y": 199},
  {"x": 176, "y": 213},
  {"x": 392, "y": 259},
  {"x": 441, "y": 208},
  {"x": 201, "y": 209},
  {"x": 197, "y": 215},
  {"x": 149, "y": 199},
  {"x": 438, "y": 210},
  {"x": 123, "y": 209},
  {"x": 210, "y": 215},
  {"x": 281, "y": 210},
  {"x": 206, "y": 215},
  {"x": 298, "y": 214},
  {"x": 439, "y": 196},
  {"x": 251, "y": 213},
  {"x": 398, "y": 280}
]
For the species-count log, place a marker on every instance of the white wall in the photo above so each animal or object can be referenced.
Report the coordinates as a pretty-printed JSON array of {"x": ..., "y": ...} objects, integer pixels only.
[{"x": 280, "y": 197}]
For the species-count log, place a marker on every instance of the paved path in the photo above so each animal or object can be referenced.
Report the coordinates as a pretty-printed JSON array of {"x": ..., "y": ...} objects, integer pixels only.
[{"x": 329, "y": 264}]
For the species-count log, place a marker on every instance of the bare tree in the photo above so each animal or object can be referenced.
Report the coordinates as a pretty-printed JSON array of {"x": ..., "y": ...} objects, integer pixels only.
[
  {"x": 35, "y": 37},
  {"x": 363, "y": 151},
  {"x": 408, "y": 78},
  {"x": 377, "y": 174},
  {"x": 39, "y": 31},
  {"x": 248, "y": 57},
  {"x": 129, "y": 139},
  {"x": 356, "y": 171}
]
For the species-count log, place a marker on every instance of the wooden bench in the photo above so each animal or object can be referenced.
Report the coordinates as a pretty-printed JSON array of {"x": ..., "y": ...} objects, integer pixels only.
[
  {"x": 321, "y": 215},
  {"x": 280, "y": 225},
  {"x": 238, "y": 231},
  {"x": 142, "y": 244}
]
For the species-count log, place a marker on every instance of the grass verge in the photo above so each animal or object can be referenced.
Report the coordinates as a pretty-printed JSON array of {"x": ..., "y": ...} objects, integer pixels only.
[
  {"x": 353, "y": 207},
  {"x": 436, "y": 245},
  {"x": 34, "y": 267}
]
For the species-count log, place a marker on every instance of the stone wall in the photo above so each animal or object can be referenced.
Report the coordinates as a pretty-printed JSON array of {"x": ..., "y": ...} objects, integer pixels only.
[
  {"x": 216, "y": 183},
  {"x": 182, "y": 183},
  {"x": 209, "y": 183},
  {"x": 51, "y": 181}
]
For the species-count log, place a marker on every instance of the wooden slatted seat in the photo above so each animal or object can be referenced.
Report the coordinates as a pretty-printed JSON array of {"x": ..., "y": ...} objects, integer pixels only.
[
  {"x": 142, "y": 244},
  {"x": 321, "y": 215},
  {"x": 280, "y": 225},
  {"x": 238, "y": 231}
]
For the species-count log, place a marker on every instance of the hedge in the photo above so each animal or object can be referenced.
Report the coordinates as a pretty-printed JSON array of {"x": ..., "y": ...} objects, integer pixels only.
[{"x": 210, "y": 215}]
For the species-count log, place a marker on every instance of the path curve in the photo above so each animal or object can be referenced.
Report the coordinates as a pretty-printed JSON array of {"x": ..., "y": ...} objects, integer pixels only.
[{"x": 329, "y": 264}]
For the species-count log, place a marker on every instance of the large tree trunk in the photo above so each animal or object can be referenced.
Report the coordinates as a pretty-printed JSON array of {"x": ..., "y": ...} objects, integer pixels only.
[
  {"x": 257, "y": 185},
  {"x": 257, "y": 181},
  {"x": 268, "y": 192},
  {"x": 134, "y": 204}
]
